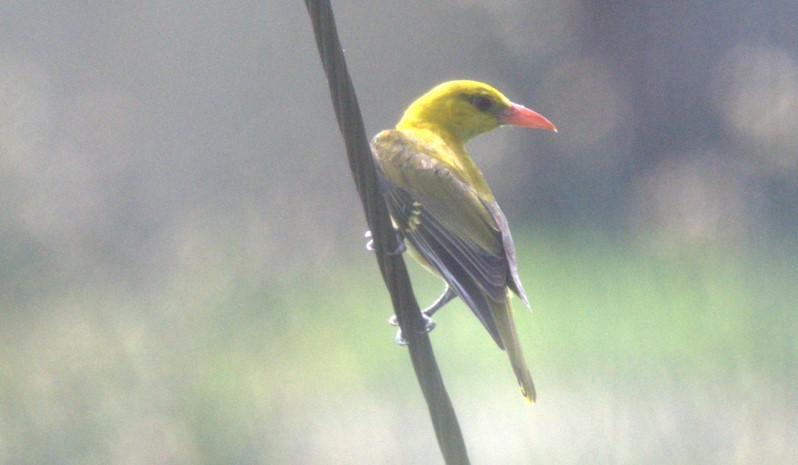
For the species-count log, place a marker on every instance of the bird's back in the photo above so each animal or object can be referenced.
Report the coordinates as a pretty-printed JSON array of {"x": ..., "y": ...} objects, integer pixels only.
[{"x": 458, "y": 234}]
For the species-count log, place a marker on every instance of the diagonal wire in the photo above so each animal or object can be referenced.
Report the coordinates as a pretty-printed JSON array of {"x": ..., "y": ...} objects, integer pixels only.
[{"x": 392, "y": 266}]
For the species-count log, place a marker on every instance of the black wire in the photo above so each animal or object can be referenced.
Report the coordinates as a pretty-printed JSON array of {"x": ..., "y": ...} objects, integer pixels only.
[{"x": 392, "y": 267}]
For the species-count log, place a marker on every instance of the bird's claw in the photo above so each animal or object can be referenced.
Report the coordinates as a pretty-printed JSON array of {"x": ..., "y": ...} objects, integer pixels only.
[
  {"x": 429, "y": 325},
  {"x": 400, "y": 340},
  {"x": 400, "y": 247},
  {"x": 400, "y": 244}
]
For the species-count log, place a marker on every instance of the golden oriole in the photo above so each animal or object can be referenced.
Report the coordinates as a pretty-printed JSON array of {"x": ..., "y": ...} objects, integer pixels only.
[{"x": 443, "y": 209}]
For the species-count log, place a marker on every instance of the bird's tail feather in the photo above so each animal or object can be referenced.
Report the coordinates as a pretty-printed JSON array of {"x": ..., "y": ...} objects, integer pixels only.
[{"x": 503, "y": 316}]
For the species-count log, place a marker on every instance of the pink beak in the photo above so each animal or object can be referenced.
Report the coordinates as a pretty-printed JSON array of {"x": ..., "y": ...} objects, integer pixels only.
[{"x": 519, "y": 115}]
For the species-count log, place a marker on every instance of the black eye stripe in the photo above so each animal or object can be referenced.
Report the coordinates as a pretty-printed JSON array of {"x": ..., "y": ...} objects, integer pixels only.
[{"x": 480, "y": 102}]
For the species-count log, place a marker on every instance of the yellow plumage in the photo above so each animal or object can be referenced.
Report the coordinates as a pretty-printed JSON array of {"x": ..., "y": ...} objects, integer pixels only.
[{"x": 443, "y": 207}]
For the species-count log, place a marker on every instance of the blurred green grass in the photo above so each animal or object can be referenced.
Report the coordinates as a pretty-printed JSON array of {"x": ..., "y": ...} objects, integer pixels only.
[
  {"x": 710, "y": 323},
  {"x": 688, "y": 353}
]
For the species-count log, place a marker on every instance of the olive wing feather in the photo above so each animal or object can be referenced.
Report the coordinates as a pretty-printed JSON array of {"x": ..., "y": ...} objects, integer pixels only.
[{"x": 462, "y": 236}]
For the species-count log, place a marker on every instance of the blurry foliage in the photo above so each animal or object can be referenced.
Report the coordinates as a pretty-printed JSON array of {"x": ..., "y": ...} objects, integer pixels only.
[{"x": 270, "y": 372}]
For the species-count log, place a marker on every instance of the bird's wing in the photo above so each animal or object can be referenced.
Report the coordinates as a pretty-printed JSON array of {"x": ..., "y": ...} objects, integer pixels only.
[
  {"x": 461, "y": 235},
  {"x": 509, "y": 251}
]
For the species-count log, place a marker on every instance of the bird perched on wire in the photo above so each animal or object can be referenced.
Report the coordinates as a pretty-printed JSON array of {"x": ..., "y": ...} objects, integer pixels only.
[{"x": 444, "y": 210}]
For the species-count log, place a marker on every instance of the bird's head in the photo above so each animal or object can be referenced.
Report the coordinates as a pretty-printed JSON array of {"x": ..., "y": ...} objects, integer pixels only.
[{"x": 466, "y": 109}]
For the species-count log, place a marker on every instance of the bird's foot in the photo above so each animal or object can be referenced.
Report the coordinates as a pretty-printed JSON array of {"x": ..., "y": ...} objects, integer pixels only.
[
  {"x": 370, "y": 243},
  {"x": 429, "y": 325},
  {"x": 400, "y": 247}
]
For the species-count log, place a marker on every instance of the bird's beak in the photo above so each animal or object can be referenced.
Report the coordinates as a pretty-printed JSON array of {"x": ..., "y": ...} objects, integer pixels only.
[{"x": 519, "y": 115}]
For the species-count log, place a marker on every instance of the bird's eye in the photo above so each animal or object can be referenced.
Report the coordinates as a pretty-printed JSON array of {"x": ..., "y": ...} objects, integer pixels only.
[{"x": 481, "y": 102}]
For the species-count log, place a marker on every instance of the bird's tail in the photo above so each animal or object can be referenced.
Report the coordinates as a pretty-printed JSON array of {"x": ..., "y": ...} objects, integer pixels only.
[{"x": 503, "y": 316}]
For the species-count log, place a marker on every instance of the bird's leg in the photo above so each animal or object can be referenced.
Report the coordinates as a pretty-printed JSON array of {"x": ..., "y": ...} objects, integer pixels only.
[
  {"x": 400, "y": 241},
  {"x": 426, "y": 314},
  {"x": 448, "y": 294}
]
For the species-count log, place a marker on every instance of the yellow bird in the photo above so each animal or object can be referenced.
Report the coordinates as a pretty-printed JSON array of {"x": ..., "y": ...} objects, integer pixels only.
[{"x": 444, "y": 210}]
